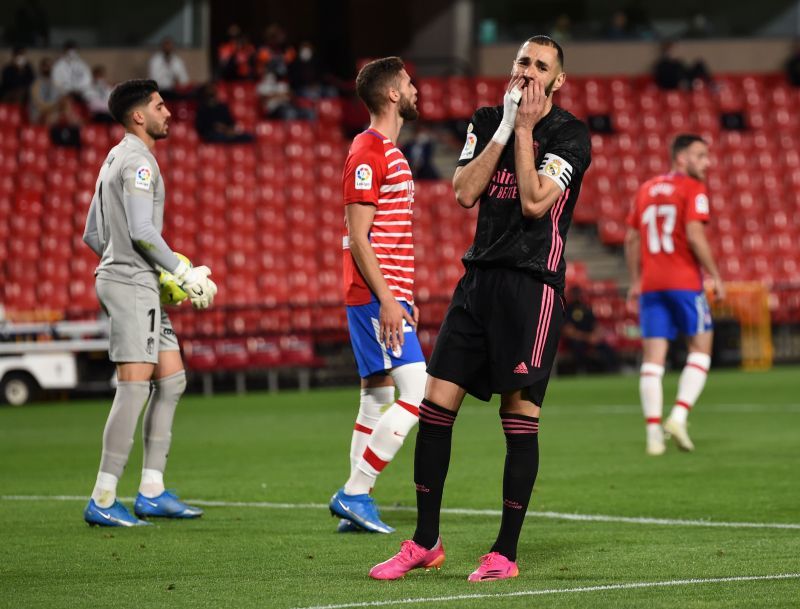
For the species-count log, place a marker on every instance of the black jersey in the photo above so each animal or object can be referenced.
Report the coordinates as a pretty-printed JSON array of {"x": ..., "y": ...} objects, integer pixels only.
[{"x": 503, "y": 237}]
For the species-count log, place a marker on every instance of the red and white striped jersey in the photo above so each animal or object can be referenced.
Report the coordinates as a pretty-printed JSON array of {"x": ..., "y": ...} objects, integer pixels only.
[
  {"x": 663, "y": 207},
  {"x": 377, "y": 173}
]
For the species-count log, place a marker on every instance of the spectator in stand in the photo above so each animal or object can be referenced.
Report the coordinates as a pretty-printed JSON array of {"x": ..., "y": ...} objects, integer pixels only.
[
  {"x": 44, "y": 95},
  {"x": 275, "y": 97},
  {"x": 65, "y": 129},
  {"x": 236, "y": 56},
  {"x": 17, "y": 78},
  {"x": 619, "y": 28},
  {"x": 584, "y": 337},
  {"x": 699, "y": 26},
  {"x": 562, "y": 28},
  {"x": 305, "y": 76},
  {"x": 275, "y": 55},
  {"x": 793, "y": 65},
  {"x": 97, "y": 96},
  {"x": 72, "y": 74},
  {"x": 168, "y": 70},
  {"x": 669, "y": 72},
  {"x": 214, "y": 121},
  {"x": 419, "y": 153}
]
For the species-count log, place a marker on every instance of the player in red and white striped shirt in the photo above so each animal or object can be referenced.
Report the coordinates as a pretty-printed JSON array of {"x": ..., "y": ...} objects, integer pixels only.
[
  {"x": 379, "y": 289},
  {"x": 666, "y": 247}
]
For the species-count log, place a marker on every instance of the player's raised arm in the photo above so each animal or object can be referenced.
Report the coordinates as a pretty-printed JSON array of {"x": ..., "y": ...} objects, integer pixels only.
[
  {"x": 537, "y": 191},
  {"x": 481, "y": 153}
]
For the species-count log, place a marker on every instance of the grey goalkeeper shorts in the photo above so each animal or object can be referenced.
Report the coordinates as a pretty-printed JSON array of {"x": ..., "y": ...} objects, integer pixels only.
[{"x": 140, "y": 328}]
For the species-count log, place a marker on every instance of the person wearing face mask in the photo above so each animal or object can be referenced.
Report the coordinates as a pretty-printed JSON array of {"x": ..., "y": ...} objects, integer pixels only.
[
  {"x": 523, "y": 162},
  {"x": 97, "y": 96},
  {"x": 305, "y": 76},
  {"x": 17, "y": 78},
  {"x": 169, "y": 71},
  {"x": 71, "y": 74}
]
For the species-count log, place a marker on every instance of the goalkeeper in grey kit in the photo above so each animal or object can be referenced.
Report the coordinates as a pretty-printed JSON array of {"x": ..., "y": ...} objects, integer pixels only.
[{"x": 124, "y": 229}]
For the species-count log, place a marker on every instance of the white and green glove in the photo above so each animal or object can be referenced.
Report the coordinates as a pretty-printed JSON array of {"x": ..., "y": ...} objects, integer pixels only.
[{"x": 195, "y": 282}]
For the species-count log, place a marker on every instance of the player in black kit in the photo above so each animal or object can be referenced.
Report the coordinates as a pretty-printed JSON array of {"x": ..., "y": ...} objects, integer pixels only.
[{"x": 524, "y": 162}]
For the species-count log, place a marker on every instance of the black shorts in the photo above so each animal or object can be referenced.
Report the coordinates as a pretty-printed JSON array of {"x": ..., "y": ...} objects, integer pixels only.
[{"x": 499, "y": 335}]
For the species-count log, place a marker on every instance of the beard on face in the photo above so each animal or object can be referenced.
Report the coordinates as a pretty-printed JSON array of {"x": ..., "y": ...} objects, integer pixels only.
[
  {"x": 156, "y": 131},
  {"x": 549, "y": 88},
  {"x": 407, "y": 110},
  {"x": 693, "y": 172}
]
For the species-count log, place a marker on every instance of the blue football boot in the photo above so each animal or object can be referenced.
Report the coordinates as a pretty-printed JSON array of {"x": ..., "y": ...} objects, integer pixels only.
[
  {"x": 359, "y": 510},
  {"x": 166, "y": 505},
  {"x": 115, "y": 516}
]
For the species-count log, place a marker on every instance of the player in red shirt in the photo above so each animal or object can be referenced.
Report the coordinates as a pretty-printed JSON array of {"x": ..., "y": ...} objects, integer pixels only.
[
  {"x": 378, "y": 252},
  {"x": 665, "y": 248}
]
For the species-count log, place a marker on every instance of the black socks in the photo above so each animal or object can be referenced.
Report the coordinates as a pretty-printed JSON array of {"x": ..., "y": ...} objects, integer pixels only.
[
  {"x": 522, "y": 465},
  {"x": 431, "y": 461}
]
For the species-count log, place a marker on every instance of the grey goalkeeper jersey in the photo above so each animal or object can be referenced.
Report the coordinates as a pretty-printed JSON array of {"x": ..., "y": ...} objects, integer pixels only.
[{"x": 127, "y": 215}]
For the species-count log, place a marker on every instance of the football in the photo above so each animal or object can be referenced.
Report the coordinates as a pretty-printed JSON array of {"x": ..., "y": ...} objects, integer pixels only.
[{"x": 171, "y": 293}]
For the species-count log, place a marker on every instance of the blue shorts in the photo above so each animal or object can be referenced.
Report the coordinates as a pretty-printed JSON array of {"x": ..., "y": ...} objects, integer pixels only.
[
  {"x": 667, "y": 313},
  {"x": 371, "y": 354}
]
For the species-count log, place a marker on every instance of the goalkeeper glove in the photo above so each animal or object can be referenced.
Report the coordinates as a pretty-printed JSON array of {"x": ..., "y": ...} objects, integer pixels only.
[{"x": 195, "y": 282}]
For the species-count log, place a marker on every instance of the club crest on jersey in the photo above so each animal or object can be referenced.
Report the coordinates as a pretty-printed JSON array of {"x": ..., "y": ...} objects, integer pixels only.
[
  {"x": 143, "y": 178},
  {"x": 364, "y": 177},
  {"x": 469, "y": 147},
  {"x": 553, "y": 168},
  {"x": 701, "y": 204}
]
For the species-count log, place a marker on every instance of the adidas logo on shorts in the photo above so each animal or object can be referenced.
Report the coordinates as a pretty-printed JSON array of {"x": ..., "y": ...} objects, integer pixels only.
[{"x": 521, "y": 368}]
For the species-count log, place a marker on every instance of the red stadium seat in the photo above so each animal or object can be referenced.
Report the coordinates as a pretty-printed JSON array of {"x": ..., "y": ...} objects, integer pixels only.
[
  {"x": 298, "y": 351},
  {"x": 200, "y": 356},
  {"x": 34, "y": 138},
  {"x": 329, "y": 112},
  {"x": 489, "y": 91},
  {"x": 231, "y": 355},
  {"x": 273, "y": 132},
  {"x": 10, "y": 115},
  {"x": 301, "y": 132},
  {"x": 612, "y": 232},
  {"x": 263, "y": 352},
  {"x": 431, "y": 99},
  {"x": 460, "y": 98}
]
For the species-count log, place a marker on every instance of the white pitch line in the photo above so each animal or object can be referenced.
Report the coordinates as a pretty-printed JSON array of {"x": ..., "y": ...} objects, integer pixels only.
[
  {"x": 456, "y": 511},
  {"x": 631, "y": 586}
]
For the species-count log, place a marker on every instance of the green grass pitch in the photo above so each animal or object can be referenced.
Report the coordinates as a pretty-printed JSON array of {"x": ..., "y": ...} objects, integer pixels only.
[{"x": 292, "y": 448}]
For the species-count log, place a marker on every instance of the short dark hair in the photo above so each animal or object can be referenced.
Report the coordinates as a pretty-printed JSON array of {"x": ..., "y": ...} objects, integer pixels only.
[
  {"x": 546, "y": 41},
  {"x": 683, "y": 141},
  {"x": 129, "y": 94},
  {"x": 373, "y": 79}
]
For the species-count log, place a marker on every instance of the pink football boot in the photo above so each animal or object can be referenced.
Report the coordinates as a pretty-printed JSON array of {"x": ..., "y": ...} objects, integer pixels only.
[
  {"x": 494, "y": 566},
  {"x": 411, "y": 556}
]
